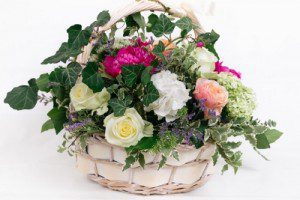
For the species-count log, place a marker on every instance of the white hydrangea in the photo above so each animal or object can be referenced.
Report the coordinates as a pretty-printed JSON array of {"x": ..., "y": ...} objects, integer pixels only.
[
  {"x": 205, "y": 61},
  {"x": 173, "y": 95}
]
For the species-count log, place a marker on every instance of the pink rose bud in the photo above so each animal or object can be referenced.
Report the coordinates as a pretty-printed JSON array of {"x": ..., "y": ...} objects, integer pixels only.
[{"x": 200, "y": 44}]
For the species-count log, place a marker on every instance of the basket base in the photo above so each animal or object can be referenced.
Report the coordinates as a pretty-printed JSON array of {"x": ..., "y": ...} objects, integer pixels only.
[{"x": 170, "y": 188}]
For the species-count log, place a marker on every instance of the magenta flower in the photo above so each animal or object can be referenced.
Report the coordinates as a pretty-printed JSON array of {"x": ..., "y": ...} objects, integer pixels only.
[
  {"x": 220, "y": 68},
  {"x": 131, "y": 55},
  {"x": 200, "y": 44}
]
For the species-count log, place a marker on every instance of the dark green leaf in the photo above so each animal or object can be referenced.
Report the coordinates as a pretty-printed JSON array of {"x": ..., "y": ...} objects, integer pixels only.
[
  {"x": 152, "y": 20},
  {"x": 162, "y": 161},
  {"x": 151, "y": 94},
  {"x": 144, "y": 144},
  {"x": 163, "y": 26},
  {"x": 142, "y": 160},
  {"x": 92, "y": 78},
  {"x": 47, "y": 125},
  {"x": 130, "y": 160},
  {"x": 22, "y": 97},
  {"x": 56, "y": 76},
  {"x": 77, "y": 38},
  {"x": 139, "y": 19},
  {"x": 225, "y": 168},
  {"x": 273, "y": 135},
  {"x": 262, "y": 141},
  {"x": 103, "y": 18},
  {"x": 70, "y": 74},
  {"x": 130, "y": 74},
  {"x": 43, "y": 82},
  {"x": 62, "y": 55},
  {"x": 119, "y": 106},
  {"x": 58, "y": 117},
  {"x": 146, "y": 75},
  {"x": 159, "y": 49}
]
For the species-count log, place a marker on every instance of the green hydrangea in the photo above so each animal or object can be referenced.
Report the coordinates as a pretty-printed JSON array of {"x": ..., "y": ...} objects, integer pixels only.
[
  {"x": 120, "y": 43},
  {"x": 241, "y": 100}
]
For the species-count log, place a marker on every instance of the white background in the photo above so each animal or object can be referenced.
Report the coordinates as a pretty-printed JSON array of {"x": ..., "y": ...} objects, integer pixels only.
[{"x": 259, "y": 38}]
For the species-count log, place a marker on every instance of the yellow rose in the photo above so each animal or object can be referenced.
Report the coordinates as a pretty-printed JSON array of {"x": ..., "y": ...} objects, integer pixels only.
[
  {"x": 126, "y": 130},
  {"x": 82, "y": 97}
]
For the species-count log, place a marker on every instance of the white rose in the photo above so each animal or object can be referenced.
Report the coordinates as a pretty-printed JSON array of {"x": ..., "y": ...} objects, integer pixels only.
[
  {"x": 126, "y": 130},
  {"x": 173, "y": 95},
  {"x": 82, "y": 97},
  {"x": 205, "y": 61}
]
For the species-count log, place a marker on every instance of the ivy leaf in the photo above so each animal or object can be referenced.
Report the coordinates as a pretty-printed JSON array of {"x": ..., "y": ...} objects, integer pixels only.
[
  {"x": 215, "y": 157},
  {"x": 22, "y": 97},
  {"x": 47, "y": 125},
  {"x": 92, "y": 78},
  {"x": 102, "y": 18},
  {"x": 62, "y": 55},
  {"x": 151, "y": 94},
  {"x": 77, "y": 38},
  {"x": 225, "y": 168},
  {"x": 130, "y": 74},
  {"x": 159, "y": 49},
  {"x": 43, "y": 82},
  {"x": 58, "y": 118},
  {"x": 185, "y": 24},
  {"x": 70, "y": 74},
  {"x": 56, "y": 76},
  {"x": 163, "y": 26},
  {"x": 141, "y": 160},
  {"x": 262, "y": 141},
  {"x": 119, "y": 106},
  {"x": 130, "y": 160},
  {"x": 162, "y": 161},
  {"x": 152, "y": 20},
  {"x": 146, "y": 75},
  {"x": 273, "y": 135},
  {"x": 144, "y": 144},
  {"x": 139, "y": 19}
]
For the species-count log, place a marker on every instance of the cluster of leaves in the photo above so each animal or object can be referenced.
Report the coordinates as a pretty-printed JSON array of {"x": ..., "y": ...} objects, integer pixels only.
[{"x": 259, "y": 135}]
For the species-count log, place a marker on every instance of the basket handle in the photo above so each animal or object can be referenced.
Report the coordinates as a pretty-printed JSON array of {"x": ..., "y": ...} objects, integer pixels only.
[{"x": 138, "y": 6}]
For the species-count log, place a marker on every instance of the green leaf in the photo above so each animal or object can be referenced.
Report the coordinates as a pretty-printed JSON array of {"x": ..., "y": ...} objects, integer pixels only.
[
  {"x": 159, "y": 49},
  {"x": 62, "y": 55},
  {"x": 151, "y": 94},
  {"x": 139, "y": 19},
  {"x": 163, "y": 26},
  {"x": 146, "y": 75},
  {"x": 273, "y": 135},
  {"x": 56, "y": 76},
  {"x": 102, "y": 18},
  {"x": 142, "y": 160},
  {"x": 77, "y": 38},
  {"x": 262, "y": 141},
  {"x": 71, "y": 73},
  {"x": 130, "y": 160},
  {"x": 215, "y": 157},
  {"x": 152, "y": 20},
  {"x": 42, "y": 82},
  {"x": 22, "y": 97},
  {"x": 231, "y": 145},
  {"x": 131, "y": 74},
  {"x": 225, "y": 168},
  {"x": 185, "y": 24},
  {"x": 144, "y": 144},
  {"x": 47, "y": 125},
  {"x": 119, "y": 106},
  {"x": 92, "y": 78},
  {"x": 162, "y": 161},
  {"x": 58, "y": 117}
]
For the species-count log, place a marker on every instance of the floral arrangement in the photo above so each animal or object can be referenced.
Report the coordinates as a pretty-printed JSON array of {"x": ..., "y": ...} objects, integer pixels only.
[{"x": 148, "y": 91}]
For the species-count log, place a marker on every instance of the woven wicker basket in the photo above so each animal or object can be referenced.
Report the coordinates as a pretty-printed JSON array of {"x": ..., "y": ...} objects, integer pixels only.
[{"x": 104, "y": 162}]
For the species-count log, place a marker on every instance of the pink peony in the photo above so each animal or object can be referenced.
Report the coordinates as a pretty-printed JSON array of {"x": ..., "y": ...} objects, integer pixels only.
[
  {"x": 213, "y": 96},
  {"x": 220, "y": 68},
  {"x": 130, "y": 55}
]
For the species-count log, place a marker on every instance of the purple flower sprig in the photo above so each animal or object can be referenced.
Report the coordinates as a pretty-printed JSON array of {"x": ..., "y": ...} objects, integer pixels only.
[{"x": 75, "y": 126}]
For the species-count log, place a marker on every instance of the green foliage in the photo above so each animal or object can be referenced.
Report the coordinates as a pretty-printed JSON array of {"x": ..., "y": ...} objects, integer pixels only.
[
  {"x": 43, "y": 82},
  {"x": 92, "y": 78},
  {"x": 66, "y": 76},
  {"x": 47, "y": 125},
  {"x": 102, "y": 18},
  {"x": 209, "y": 39},
  {"x": 23, "y": 97},
  {"x": 151, "y": 94},
  {"x": 146, "y": 75},
  {"x": 185, "y": 24},
  {"x": 162, "y": 161},
  {"x": 163, "y": 26},
  {"x": 159, "y": 49},
  {"x": 119, "y": 107},
  {"x": 152, "y": 20},
  {"x": 131, "y": 74},
  {"x": 145, "y": 143},
  {"x": 58, "y": 118}
]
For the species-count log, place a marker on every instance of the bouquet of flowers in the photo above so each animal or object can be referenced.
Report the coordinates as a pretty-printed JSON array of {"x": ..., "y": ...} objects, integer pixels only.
[{"x": 157, "y": 87}]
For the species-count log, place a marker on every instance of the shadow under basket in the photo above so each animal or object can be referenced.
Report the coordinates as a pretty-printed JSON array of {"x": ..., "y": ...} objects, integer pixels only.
[{"x": 104, "y": 163}]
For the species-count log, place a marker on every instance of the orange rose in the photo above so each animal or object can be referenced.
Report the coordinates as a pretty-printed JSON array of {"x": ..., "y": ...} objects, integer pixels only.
[{"x": 213, "y": 96}]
